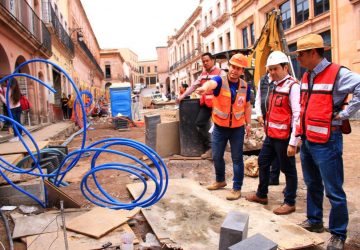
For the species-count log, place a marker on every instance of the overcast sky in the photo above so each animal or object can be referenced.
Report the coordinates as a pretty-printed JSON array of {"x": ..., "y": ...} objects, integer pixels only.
[{"x": 140, "y": 25}]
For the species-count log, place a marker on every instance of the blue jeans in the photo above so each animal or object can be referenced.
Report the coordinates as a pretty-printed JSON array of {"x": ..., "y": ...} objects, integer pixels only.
[
  {"x": 323, "y": 163},
  {"x": 220, "y": 137},
  {"x": 277, "y": 149},
  {"x": 16, "y": 113}
]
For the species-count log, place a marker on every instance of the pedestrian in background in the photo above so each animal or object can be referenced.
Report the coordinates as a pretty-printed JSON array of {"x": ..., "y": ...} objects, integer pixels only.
[
  {"x": 64, "y": 106},
  {"x": 182, "y": 90},
  {"x": 280, "y": 142},
  {"x": 203, "y": 117},
  {"x": 231, "y": 115},
  {"x": 15, "y": 107},
  {"x": 136, "y": 106},
  {"x": 70, "y": 106},
  {"x": 324, "y": 87}
]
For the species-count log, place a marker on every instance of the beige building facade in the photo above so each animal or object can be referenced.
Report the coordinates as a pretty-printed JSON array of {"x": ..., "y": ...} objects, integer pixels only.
[
  {"x": 131, "y": 66},
  {"x": 185, "y": 49},
  {"x": 148, "y": 72},
  {"x": 336, "y": 21}
]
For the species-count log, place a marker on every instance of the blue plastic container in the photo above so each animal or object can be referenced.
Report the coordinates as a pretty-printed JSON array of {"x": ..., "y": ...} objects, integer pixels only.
[{"x": 120, "y": 99}]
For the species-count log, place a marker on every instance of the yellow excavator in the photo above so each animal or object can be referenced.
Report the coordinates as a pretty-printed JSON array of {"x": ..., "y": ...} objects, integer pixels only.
[{"x": 271, "y": 38}]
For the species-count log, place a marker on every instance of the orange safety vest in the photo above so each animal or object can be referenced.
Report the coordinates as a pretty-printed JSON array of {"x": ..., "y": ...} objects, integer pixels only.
[
  {"x": 226, "y": 114},
  {"x": 206, "y": 99},
  {"x": 278, "y": 117},
  {"x": 317, "y": 105}
]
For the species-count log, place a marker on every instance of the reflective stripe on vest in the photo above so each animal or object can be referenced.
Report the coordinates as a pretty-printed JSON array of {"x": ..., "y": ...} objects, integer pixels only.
[
  {"x": 317, "y": 105},
  {"x": 278, "y": 117},
  {"x": 225, "y": 113}
]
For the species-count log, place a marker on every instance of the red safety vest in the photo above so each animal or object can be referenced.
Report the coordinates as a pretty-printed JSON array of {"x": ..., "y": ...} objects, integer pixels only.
[
  {"x": 317, "y": 105},
  {"x": 206, "y": 99},
  {"x": 278, "y": 117},
  {"x": 226, "y": 114}
]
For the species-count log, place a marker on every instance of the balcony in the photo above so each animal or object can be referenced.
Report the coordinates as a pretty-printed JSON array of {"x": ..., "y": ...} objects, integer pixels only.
[
  {"x": 207, "y": 30},
  {"x": 221, "y": 18},
  {"x": 90, "y": 56},
  {"x": 56, "y": 27},
  {"x": 196, "y": 52},
  {"x": 21, "y": 17}
]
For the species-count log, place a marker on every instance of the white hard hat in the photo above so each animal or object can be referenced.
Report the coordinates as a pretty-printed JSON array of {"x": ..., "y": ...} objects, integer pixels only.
[{"x": 275, "y": 58}]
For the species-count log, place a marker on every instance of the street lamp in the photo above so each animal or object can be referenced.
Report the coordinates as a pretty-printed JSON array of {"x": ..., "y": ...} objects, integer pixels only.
[{"x": 79, "y": 33}]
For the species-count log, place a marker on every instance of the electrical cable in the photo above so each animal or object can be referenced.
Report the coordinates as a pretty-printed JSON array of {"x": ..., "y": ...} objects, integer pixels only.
[
  {"x": 158, "y": 175},
  {"x": 8, "y": 232}
]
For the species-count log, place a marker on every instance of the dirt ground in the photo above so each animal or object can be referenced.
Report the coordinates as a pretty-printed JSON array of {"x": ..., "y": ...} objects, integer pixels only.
[{"x": 202, "y": 171}]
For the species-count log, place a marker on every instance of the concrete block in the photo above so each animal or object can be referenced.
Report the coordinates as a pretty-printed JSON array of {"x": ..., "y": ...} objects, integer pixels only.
[
  {"x": 11, "y": 196},
  {"x": 151, "y": 122},
  {"x": 255, "y": 242},
  {"x": 233, "y": 229},
  {"x": 167, "y": 139}
]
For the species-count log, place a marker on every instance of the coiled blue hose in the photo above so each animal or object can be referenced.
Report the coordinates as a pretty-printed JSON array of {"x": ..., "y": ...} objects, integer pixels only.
[{"x": 159, "y": 176}]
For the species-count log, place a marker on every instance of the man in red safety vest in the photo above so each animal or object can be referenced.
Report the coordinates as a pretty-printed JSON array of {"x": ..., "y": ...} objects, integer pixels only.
[
  {"x": 324, "y": 87},
  {"x": 280, "y": 141},
  {"x": 203, "y": 117}
]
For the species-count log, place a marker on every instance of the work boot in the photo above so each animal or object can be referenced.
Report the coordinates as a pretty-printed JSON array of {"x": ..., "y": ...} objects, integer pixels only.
[
  {"x": 207, "y": 154},
  {"x": 255, "y": 198},
  {"x": 217, "y": 185},
  {"x": 284, "y": 209},
  {"x": 316, "y": 228},
  {"x": 335, "y": 243},
  {"x": 233, "y": 195}
]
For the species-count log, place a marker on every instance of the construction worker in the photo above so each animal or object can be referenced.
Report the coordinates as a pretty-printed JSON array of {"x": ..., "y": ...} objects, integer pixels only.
[
  {"x": 280, "y": 141},
  {"x": 203, "y": 117},
  {"x": 231, "y": 116},
  {"x": 265, "y": 87},
  {"x": 324, "y": 88}
]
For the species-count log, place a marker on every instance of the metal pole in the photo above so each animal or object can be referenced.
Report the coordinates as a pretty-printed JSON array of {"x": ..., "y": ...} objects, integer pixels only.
[{"x": 63, "y": 224}]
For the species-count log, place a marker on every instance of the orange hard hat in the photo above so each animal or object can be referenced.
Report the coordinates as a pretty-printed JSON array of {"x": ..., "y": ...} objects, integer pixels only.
[{"x": 239, "y": 60}]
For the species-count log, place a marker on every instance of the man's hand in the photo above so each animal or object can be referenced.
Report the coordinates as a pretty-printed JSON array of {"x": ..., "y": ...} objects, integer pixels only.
[
  {"x": 260, "y": 120},
  {"x": 247, "y": 130},
  {"x": 291, "y": 150},
  {"x": 178, "y": 100},
  {"x": 200, "y": 90}
]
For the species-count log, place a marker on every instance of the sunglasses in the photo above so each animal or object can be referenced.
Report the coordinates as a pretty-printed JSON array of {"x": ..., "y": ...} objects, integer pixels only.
[{"x": 302, "y": 53}]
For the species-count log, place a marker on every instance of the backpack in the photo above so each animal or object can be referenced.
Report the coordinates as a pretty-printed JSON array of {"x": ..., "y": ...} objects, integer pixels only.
[{"x": 24, "y": 103}]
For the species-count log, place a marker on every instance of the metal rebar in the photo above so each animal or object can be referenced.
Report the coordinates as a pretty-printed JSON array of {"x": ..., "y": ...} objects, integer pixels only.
[{"x": 63, "y": 224}]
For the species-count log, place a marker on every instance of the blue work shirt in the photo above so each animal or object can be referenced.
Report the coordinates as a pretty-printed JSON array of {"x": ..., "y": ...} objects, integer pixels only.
[
  {"x": 347, "y": 82},
  {"x": 234, "y": 86}
]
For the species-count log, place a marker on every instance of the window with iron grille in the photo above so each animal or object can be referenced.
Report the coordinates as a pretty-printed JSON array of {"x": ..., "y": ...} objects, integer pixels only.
[
  {"x": 301, "y": 10},
  {"x": 245, "y": 37},
  {"x": 286, "y": 14},
  {"x": 252, "y": 33},
  {"x": 321, "y": 6}
]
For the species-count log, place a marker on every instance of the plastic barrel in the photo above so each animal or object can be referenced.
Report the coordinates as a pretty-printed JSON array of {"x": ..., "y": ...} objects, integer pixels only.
[
  {"x": 151, "y": 121},
  {"x": 190, "y": 140}
]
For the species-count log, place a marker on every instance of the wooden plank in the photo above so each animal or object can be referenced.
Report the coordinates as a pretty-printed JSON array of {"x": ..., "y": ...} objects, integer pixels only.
[
  {"x": 42, "y": 223},
  {"x": 76, "y": 241},
  {"x": 100, "y": 221},
  {"x": 190, "y": 217},
  {"x": 12, "y": 159},
  {"x": 184, "y": 158},
  {"x": 55, "y": 195},
  {"x": 18, "y": 148},
  {"x": 11, "y": 196}
]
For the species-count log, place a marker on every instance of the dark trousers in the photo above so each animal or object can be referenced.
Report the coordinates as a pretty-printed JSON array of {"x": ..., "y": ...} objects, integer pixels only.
[
  {"x": 277, "y": 148},
  {"x": 275, "y": 170},
  {"x": 16, "y": 113},
  {"x": 202, "y": 125},
  {"x": 65, "y": 112},
  {"x": 70, "y": 112}
]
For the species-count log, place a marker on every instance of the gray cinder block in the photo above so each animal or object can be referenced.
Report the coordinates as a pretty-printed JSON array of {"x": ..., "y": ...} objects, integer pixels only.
[
  {"x": 151, "y": 122},
  {"x": 233, "y": 229},
  {"x": 255, "y": 242}
]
